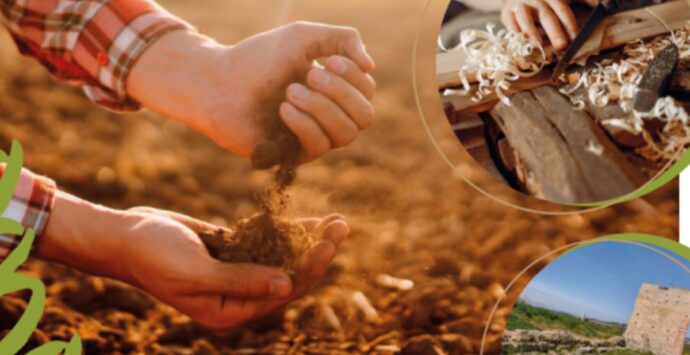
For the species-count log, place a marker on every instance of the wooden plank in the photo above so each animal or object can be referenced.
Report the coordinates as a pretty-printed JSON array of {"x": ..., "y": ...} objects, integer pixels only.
[
  {"x": 553, "y": 141},
  {"x": 465, "y": 103},
  {"x": 640, "y": 23},
  {"x": 608, "y": 172},
  {"x": 537, "y": 141},
  {"x": 616, "y": 31}
]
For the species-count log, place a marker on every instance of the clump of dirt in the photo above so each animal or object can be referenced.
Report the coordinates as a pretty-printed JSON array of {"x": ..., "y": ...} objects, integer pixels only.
[
  {"x": 266, "y": 238},
  {"x": 260, "y": 239}
]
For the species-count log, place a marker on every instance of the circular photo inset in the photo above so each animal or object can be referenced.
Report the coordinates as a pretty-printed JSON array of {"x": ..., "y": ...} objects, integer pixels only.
[
  {"x": 608, "y": 297},
  {"x": 571, "y": 103}
]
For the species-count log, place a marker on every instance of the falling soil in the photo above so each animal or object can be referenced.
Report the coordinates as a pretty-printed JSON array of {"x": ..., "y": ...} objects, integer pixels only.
[{"x": 266, "y": 238}]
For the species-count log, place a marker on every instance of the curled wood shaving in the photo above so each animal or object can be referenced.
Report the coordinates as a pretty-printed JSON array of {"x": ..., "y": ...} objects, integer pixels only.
[
  {"x": 494, "y": 59},
  {"x": 617, "y": 81}
]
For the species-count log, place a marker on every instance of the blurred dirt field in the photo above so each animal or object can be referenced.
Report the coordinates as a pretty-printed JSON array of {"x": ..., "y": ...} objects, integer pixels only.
[{"x": 411, "y": 218}]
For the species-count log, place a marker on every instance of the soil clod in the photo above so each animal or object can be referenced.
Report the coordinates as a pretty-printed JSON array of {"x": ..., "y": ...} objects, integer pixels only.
[{"x": 260, "y": 239}]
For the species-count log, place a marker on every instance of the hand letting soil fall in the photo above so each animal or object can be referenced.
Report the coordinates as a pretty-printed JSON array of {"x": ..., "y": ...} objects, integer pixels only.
[{"x": 268, "y": 237}]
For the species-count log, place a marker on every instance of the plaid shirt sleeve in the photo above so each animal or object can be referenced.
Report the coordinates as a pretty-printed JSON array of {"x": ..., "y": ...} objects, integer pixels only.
[
  {"x": 30, "y": 205},
  {"x": 89, "y": 43}
]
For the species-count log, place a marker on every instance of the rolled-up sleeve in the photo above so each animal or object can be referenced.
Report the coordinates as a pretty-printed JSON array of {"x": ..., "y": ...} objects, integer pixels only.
[
  {"x": 89, "y": 43},
  {"x": 30, "y": 205}
]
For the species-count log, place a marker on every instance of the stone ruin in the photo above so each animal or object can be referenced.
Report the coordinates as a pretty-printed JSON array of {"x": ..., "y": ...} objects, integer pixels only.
[{"x": 660, "y": 320}]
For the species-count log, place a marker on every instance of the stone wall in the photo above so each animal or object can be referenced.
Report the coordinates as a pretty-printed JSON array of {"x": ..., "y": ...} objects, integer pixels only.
[
  {"x": 557, "y": 342},
  {"x": 660, "y": 320}
]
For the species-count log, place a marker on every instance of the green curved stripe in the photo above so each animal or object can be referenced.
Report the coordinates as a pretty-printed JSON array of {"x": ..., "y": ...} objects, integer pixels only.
[
  {"x": 668, "y": 244},
  {"x": 648, "y": 188}
]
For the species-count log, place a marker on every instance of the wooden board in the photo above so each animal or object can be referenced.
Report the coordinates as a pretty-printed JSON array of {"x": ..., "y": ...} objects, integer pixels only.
[
  {"x": 616, "y": 31},
  {"x": 553, "y": 140},
  {"x": 466, "y": 102}
]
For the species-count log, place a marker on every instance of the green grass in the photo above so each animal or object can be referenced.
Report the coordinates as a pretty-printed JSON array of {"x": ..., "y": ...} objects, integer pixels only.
[
  {"x": 525, "y": 316},
  {"x": 629, "y": 352}
]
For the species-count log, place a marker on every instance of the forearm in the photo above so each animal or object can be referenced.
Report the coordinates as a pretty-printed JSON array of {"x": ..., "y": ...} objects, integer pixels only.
[
  {"x": 82, "y": 42},
  {"x": 170, "y": 76},
  {"x": 84, "y": 236}
]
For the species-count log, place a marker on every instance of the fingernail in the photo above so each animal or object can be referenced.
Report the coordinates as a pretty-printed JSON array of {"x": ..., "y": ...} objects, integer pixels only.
[
  {"x": 338, "y": 65},
  {"x": 280, "y": 287},
  {"x": 321, "y": 77},
  {"x": 300, "y": 91}
]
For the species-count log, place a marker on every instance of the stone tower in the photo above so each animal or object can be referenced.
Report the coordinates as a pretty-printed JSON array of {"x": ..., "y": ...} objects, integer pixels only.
[{"x": 660, "y": 320}]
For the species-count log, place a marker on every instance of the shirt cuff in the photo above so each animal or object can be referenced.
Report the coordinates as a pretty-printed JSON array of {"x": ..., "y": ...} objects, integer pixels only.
[
  {"x": 112, "y": 42},
  {"x": 31, "y": 204}
]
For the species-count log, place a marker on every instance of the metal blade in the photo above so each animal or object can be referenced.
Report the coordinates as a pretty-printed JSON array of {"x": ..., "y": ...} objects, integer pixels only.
[
  {"x": 656, "y": 78},
  {"x": 592, "y": 23},
  {"x": 614, "y": 6}
]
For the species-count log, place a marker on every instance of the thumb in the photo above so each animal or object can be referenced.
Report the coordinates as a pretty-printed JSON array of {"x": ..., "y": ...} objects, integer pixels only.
[
  {"x": 245, "y": 281},
  {"x": 321, "y": 40}
]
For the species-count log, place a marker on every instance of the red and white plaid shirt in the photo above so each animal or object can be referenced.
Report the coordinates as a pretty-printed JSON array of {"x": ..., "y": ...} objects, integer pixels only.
[
  {"x": 30, "y": 205},
  {"x": 89, "y": 43}
]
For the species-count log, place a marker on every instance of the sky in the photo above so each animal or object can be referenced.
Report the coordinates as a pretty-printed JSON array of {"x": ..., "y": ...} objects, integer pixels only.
[{"x": 602, "y": 280}]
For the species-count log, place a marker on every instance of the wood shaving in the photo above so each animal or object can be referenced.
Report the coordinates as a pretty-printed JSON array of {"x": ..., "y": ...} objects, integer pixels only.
[
  {"x": 370, "y": 313},
  {"x": 494, "y": 59},
  {"x": 394, "y": 282},
  {"x": 617, "y": 82},
  {"x": 595, "y": 148},
  {"x": 331, "y": 317}
]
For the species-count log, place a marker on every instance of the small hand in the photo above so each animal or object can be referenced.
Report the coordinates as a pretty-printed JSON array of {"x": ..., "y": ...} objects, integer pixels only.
[
  {"x": 555, "y": 16},
  {"x": 166, "y": 258},
  {"x": 229, "y": 92}
]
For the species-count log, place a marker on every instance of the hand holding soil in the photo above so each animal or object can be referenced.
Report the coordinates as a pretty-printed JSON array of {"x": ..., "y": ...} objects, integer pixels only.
[
  {"x": 238, "y": 290},
  {"x": 236, "y": 94},
  {"x": 165, "y": 254}
]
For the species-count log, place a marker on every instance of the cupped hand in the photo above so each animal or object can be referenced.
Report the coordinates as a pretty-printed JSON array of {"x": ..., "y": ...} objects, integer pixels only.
[
  {"x": 556, "y": 17},
  {"x": 165, "y": 257},
  {"x": 229, "y": 93}
]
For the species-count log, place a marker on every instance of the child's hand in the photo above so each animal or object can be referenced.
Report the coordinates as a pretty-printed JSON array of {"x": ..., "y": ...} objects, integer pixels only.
[
  {"x": 555, "y": 17},
  {"x": 226, "y": 92}
]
